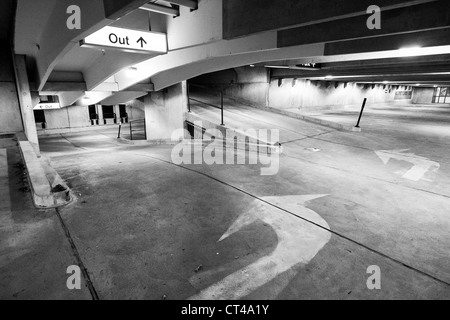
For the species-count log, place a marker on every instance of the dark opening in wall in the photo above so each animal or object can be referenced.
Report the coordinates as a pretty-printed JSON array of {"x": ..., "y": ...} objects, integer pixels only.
[
  {"x": 93, "y": 112},
  {"x": 108, "y": 112},
  {"x": 39, "y": 117},
  {"x": 123, "y": 111}
]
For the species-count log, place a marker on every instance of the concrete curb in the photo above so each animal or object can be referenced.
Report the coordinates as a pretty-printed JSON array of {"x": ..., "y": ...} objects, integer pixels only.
[
  {"x": 43, "y": 179},
  {"x": 298, "y": 116},
  {"x": 263, "y": 146}
]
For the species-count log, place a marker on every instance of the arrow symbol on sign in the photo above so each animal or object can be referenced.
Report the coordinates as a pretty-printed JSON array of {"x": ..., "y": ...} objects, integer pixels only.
[
  {"x": 298, "y": 243},
  {"x": 421, "y": 164},
  {"x": 142, "y": 41}
]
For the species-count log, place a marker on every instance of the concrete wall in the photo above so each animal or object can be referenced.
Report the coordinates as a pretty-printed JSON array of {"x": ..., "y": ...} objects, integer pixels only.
[
  {"x": 136, "y": 109},
  {"x": 70, "y": 117},
  {"x": 423, "y": 95},
  {"x": 252, "y": 85},
  {"x": 323, "y": 95},
  {"x": 164, "y": 112},
  {"x": 78, "y": 116},
  {"x": 10, "y": 116},
  {"x": 245, "y": 83}
]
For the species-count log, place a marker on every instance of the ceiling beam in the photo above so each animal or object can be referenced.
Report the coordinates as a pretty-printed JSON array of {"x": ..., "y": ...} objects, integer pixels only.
[
  {"x": 241, "y": 18},
  {"x": 432, "y": 38},
  {"x": 428, "y": 16},
  {"x": 391, "y": 71},
  {"x": 192, "y": 4},
  {"x": 168, "y": 11},
  {"x": 62, "y": 86}
]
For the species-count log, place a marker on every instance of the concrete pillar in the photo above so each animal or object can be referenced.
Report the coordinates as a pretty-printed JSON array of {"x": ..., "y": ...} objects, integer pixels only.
[
  {"x": 26, "y": 105},
  {"x": 117, "y": 112},
  {"x": 164, "y": 113},
  {"x": 100, "y": 114}
]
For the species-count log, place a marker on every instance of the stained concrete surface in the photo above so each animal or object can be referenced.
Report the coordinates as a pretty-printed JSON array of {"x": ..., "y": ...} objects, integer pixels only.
[
  {"x": 143, "y": 226},
  {"x": 34, "y": 251}
]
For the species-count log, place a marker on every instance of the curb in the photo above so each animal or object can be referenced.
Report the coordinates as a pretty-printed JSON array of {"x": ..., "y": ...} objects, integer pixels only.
[
  {"x": 43, "y": 180},
  {"x": 262, "y": 146},
  {"x": 325, "y": 123}
]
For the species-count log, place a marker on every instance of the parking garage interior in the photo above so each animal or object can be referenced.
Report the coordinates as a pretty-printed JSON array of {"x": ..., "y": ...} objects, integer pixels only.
[{"x": 225, "y": 149}]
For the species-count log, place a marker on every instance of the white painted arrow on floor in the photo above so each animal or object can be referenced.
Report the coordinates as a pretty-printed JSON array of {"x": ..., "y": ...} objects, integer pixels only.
[
  {"x": 421, "y": 164},
  {"x": 298, "y": 243}
]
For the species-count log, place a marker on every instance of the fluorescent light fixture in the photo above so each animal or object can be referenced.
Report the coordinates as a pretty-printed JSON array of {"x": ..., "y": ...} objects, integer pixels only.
[
  {"x": 385, "y": 82},
  {"x": 278, "y": 67},
  {"x": 252, "y": 66},
  {"x": 329, "y": 77},
  {"x": 418, "y": 84},
  {"x": 127, "y": 40},
  {"x": 410, "y": 51}
]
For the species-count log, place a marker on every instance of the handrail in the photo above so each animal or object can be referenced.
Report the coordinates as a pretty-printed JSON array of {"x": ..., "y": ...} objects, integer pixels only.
[{"x": 131, "y": 123}]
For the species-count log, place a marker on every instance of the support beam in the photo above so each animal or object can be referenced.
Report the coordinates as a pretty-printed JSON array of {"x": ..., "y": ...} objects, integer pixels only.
[
  {"x": 192, "y": 4},
  {"x": 54, "y": 46},
  {"x": 393, "y": 42},
  {"x": 169, "y": 11},
  {"x": 422, "y": 17},
  {"x": 241, "y": 18},
  {"x": 60, "y": 86}
]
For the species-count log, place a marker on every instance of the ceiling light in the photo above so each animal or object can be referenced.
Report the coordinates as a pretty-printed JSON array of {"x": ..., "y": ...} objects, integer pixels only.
[
  {"x": 385, "y": 82},
  {"x": 410, "y": 51},
  {"x": 252, "y": 66},
  {"x": 277, "y": 67},
  {"x": 329, "y": 77}
]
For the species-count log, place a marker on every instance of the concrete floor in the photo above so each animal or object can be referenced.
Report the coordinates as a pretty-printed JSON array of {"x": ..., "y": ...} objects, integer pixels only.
[{"x": 144, "y": 226}]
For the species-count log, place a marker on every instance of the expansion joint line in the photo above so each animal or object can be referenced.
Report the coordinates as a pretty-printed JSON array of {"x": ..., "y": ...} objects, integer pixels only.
[
  {"x": 304, "y": 219},
  {"x": 75, "y": 252}
]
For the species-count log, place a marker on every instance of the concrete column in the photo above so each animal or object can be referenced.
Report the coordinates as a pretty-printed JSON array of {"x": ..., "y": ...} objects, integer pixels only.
[
  {"x": 26, "y": 105},
  {"x": 117, "y": 112},
  {"x": 164, "y": 113},
  {"x": 100, "y": 114}
]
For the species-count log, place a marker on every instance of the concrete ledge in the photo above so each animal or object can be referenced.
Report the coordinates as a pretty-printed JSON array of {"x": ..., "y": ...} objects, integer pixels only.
[
  {"x": 41, "y": 186},
  {"x": 262, "y": 146},
  {"x": 295, "y": 115},
  {"x": 49, "y": 132}
]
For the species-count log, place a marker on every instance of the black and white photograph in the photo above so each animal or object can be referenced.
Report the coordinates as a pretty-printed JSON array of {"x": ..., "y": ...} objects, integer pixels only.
[{"x": 219, "y": 157}]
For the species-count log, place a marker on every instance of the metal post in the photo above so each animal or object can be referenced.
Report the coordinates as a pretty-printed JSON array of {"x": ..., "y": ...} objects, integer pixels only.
[
  {"x": 361, "y": 113},
  {"x": 221, "y": 107},
  {"x": 120, "y": 128},
  {"x": 131, "y": 130},
  {"x": 188, "y": 98},
  {"x": 145, "y": 128}
]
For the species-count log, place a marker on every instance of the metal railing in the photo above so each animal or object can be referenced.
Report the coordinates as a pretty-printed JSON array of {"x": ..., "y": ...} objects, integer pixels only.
[
  {"x": 138, "y": 128},
  {"x": 217, "y": 92}
]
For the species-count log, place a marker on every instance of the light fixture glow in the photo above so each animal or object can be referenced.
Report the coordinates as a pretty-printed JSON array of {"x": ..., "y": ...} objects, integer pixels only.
[
  {"x": 277, "y": 67},
  {"x": 410, "y": 51},
  {"x": 329, "y": 77}
]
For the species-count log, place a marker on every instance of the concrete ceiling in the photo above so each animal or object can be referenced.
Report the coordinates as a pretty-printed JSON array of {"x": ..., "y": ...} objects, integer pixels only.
[{"x": 211, "y": 39}]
